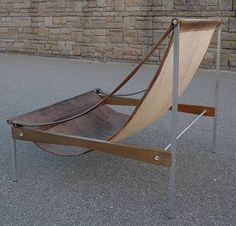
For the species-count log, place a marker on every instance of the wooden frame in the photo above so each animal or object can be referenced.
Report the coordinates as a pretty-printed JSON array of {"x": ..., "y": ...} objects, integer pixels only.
[
  {"x": 184, "y": 108},
  {"x": 155, "y": 156}
]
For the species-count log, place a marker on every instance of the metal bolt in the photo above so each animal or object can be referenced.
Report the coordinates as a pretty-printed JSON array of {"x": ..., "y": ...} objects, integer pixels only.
[
  {"x": 157, "y": 157},
  {"x": 175, "y": 21},
  {"x": 21, "y": 134}
]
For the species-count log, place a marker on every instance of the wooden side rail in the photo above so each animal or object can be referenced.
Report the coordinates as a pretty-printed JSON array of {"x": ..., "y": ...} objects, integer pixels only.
[
  {"x": 155, "y": 156},
  {"x": 185, "y": 108},
  {"x": 115, "y": 100},
  {"x": 196, "y": 109}
]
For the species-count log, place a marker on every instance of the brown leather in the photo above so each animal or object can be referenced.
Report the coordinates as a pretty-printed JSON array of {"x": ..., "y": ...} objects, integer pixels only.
[{"x": 101, "y": 123}]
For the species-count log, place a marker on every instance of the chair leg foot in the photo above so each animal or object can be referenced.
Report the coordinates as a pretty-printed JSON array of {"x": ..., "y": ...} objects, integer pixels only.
[
  {"x": 171, "y": 205},
  {"x": 213, "y": 150},
  {"x": 14, "y": 161}
]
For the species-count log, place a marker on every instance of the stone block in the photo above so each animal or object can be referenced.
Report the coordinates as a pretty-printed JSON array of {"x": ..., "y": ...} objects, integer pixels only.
[
  {"x": 132, "y": 51},
  {"x": 76, "y": 49},
  {"x": 119, "y": 5},
  {"x": 168, "y": 4},
  {"x": 232, "y": 24},
  {"x": 130, "y": 33},
  {"x": 115, "y": 36},
  {"x": 43, "y": 32},
  {"x": 224, "y": 59},
  {"x": 78, "y": 6},
  {"x": 3, "y": 30},
  {"x": 5, "y": 21},
  {"x": 89, "y": 32},
  {"x": 232, "y": 60},
  {"x": 59, "y": 20},
  {"x": 12, "y": 33},
  {"x": 76, "y": 36},
  {"x": 130, "y": 40},
  {"x": 101, "y": 39},
  {"x": 208, "y": 59},
  {"x": 145, "y": 33},
  {"x": 61, "y": 45},
  {"x": 100, "y": 31},
  {"x": 25, "y": 22},
  {"x": 69, "y": 45},
  {"x": 60, "y": 4},
  {"x": 92, "y": 3},
  {"x": 117, "y": 52},
  {"x": 48, "y": 21},
  {"x": 101, "y": 48},
  {"x": 144, "y": 40},
  {"x": 144, "y": 24},
  {"x": 229, "y": 44},
  {"x": 18, "y": 45},
  {"x": 225, "y": 4},
  {"x": 180, "y": 2},
  {"x": 211, "y": 2},
  {"x": 90, "y": 39},
  {"x": 130, "y": 3},
  {"x": 15, "y": 22},
  {"x": 101, "y": 3},
  {"x": 228, "y": 36},
  {"x": 54, "y": 31},
  {"x": 129, "y": 22}
]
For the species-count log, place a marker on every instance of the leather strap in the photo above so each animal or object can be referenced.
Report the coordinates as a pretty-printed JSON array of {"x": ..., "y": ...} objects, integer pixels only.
[{"x": 100, "y": 103}]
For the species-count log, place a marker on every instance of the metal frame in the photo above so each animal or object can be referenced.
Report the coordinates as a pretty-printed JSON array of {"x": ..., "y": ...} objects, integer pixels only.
[
  {"x": 216, "y": 86},
  {"x": 186, "y": 128},
  {"x": 174, "y": 115}
]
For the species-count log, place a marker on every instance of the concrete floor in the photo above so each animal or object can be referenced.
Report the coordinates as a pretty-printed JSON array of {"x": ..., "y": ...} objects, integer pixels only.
[{"x": 100, "y": 189}]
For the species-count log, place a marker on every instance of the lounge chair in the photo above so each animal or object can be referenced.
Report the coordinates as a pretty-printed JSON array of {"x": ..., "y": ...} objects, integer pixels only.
[{"x": 87, "y": 122}]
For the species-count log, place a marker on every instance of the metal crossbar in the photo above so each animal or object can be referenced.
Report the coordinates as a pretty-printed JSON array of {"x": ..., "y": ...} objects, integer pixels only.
[{"x": 186, "y": 129}]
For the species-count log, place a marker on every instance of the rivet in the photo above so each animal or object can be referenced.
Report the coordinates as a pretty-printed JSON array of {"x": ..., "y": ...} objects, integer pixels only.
[
  {"x": 21, "y": 134},
  {"x": 157, "y": 157}
]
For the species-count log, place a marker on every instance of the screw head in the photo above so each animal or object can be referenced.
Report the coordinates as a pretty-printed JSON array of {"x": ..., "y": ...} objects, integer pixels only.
[
  {"x": 157, "y": 157},
  {"x": 21, "y": 134}
]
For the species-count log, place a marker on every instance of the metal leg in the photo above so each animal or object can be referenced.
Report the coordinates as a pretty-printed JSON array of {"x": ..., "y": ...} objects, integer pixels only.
[
  {"x": 216, "y": 87},
  {"x": 174, "y": 122},
  {"x": 14, "y": 161}
]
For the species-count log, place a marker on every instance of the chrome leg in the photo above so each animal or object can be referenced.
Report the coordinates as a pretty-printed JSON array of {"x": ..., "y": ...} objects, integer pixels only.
[
  {"x": 14, "y": 161},
  {"x": 216, "y": 88},
  {"x": 174, "y": 115}
]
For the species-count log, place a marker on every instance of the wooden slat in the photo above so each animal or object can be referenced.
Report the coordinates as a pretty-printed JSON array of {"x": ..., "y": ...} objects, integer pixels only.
[
  {"x": 196, "y": 109},
  {"x": 187, "y": 25},
  {"x": 186, "y": 108},
  {"x": 129, "y": 151},
  {"x": 113, "y": 100}
]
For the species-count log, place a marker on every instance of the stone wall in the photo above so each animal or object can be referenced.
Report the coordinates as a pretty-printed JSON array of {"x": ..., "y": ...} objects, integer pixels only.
[{"x": 121, "y": 30}]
